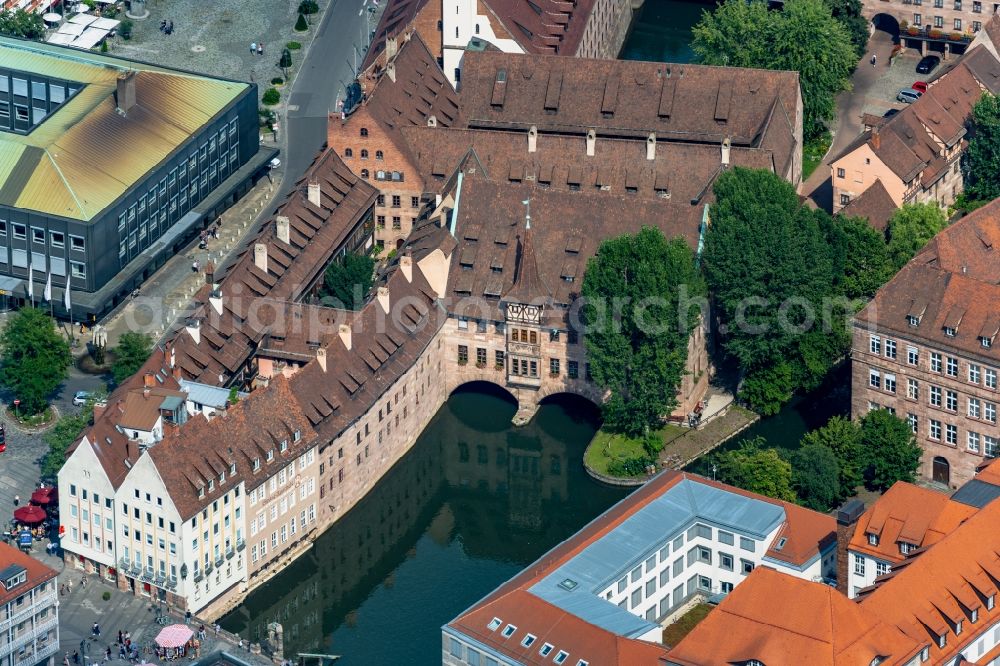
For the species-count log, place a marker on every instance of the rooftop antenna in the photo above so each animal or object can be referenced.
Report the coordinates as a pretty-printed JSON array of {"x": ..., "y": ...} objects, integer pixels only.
[{"x": 527, "y": 214}]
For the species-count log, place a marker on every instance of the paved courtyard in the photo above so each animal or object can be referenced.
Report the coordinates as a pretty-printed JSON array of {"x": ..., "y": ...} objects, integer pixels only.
[
  {"x": 882, "y": 95},
  {"x": 214, "y": 37}
]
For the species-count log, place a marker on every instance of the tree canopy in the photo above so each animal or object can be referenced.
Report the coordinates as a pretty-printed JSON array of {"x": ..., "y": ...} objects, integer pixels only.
[
  {"x": 19, "y": 23},
  {"x": 35, "y": 358},
  {"x": 861, "y": 256},
  {"x": 843, "y": 438},
  {"x": 983, "y": 155},
  {"x": 638, "y": 351},
  {"x": 803, "y": 37},
  {"x": 349, "y": 281},
  {"x": 67, "y": 430},
  {"x": 816, "y": 476},
  {"x": 848, "y": 13},
  {"x": 910, "y": 228},
  {"x": 890, "y": 449},
  {"x": 755, "y": 468},
  {"x": 132, "y": 351}
]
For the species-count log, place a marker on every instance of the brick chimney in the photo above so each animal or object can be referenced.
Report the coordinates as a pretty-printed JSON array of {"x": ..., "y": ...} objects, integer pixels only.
[
  {"x": 876, "y": 139},
  {"x": 260, "y": 256},
  {"x": 847, "y": 519},
  {"x": 148, "y": 381},
  {"x": 209, "y": 272},
  {"x": 314, "y": 193},
  {"x": 282, "y": 225},
  {"x": 125, "y": 92}
]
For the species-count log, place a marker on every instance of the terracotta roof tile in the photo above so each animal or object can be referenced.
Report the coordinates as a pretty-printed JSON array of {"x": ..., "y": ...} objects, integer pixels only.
[
  {"x": 36, "y": 572},
  {"x": 874, "y": 205}
]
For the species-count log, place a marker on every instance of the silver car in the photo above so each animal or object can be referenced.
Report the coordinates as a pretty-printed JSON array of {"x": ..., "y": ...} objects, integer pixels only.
[{"x": 908, "y": 95}]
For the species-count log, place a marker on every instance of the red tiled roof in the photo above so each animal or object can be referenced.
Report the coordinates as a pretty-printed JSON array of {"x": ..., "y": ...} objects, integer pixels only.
[
  {"x": 910, "y": 513},
  {"x": 775, "y": 618},
  {"x": 874, "y": 205},
  {"x": 37, "y": 573}
]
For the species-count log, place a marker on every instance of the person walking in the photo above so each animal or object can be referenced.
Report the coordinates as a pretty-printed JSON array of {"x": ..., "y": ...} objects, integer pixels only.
[
  {"x": 66, "y": 659},
  {"x": 874, "y": 56},
  {"x": 76, "y": 656},
  {"x": 260, "y": 49},
  {"x": 17, "y": 500},
  {"x": 253, "y": 48}
]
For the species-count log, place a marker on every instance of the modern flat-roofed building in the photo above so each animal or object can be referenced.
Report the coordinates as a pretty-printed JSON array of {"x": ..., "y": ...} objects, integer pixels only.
[
  {"x": 602, "y": 596},
  {"x": 108, "y": 166},
  {"x": 29, "y": 609}
]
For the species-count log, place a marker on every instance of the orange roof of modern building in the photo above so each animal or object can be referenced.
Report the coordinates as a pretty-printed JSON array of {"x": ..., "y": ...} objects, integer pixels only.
[
  {"x": 13, "y": 561},
  {"x": 939, "y": 593},
  {"x": 907, "y": 513},
  {"x": 775, "y": 618}
]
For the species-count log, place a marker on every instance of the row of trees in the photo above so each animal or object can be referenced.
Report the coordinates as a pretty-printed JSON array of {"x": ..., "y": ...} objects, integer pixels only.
[
  {"x": 19, "y": 23},
  {"x": 830, "y": 463},
  {"x": 822, "y": 41},
  {"x": 786, "y": 278}
]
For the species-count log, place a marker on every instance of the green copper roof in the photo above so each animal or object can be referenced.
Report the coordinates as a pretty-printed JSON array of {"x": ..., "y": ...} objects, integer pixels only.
[{"x": 85, "y": 155}]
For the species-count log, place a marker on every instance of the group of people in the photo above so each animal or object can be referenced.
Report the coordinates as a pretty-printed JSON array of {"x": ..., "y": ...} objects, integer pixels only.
[
  {"x": 166, "y": 27},
  {"x": 257, "y": 48}
]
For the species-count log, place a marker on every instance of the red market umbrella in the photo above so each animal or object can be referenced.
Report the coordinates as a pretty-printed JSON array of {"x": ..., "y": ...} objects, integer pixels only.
[
  {"x": 42, "y": 496},
  {"x": 30, "y": 515}
]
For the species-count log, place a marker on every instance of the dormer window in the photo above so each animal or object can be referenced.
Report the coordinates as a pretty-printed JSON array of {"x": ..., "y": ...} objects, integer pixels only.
[
  {"x": 990, "y": 600},
  {"x": 232, "y": 469},
  {"x": 974, "y": 615},
  {"x": 201, "y": 492},
  {"x": 222, "y": 478},
  {"x": 985, "y": 342},
  {"x": 270, "y": 455},
  {"x": 16, "y": 576},
  {"x": 256, "y": 464},
  {"x": 284, "y": 445},
  {"x": 958, "y": 627},
  {"x": 942, "y": 640},
  {"x": 297, "y": 435},
  {"x": 905, "y": 548},
  {"x": 950, "y": 332},
  {"x": 872, "y": 539},
  {"x": 913, "y": 320},
  {"x": 211, "y": 485}
]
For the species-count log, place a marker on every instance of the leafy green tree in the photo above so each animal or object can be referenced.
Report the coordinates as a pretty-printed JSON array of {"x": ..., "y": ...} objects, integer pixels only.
[
  {"x": 757, "y": 469},
  {"x": 35, "y": 358},
  {"x": 816, "y": 476},
  {"x": 803, "y": 37},
  {"x": 350, "y": 280},
  {"x": 910, "y": 228},
  {"x": 132, "y": 351},
  {"x": 64, "y": 433},
  {"x": 843, "y": 437},
  {"x": 848, "y": 13},
  {"x": 308, "y": 7},
  {"x": 19, "y": 23},
  {"x": 861, "y": 256},
  {"x": 770, "y": 268},
  {"x": 638, "y": 351},
  {"x": 983, "y": 156},
  {"x": 890, "y": 449}
]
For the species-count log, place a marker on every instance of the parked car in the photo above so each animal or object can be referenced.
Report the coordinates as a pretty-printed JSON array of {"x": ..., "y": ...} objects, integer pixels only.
[
  {"x": 908, "y": 95},
  {"x": 919, "y": 86},
  {"x": 890, "y": 113},
  {"x": 81, "y": 398},
  {"x": 927, "y": 64}
]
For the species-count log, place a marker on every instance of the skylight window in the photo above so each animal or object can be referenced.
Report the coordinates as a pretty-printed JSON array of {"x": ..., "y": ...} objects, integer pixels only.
[
  {"x": 508, "y": 631},
  {"x": 561, "y": 656},
  {"x": 494, "y": 624},
  {"x": 528, "y": 640},
  {"x": 568, "y": 584},
  {"x": 546, "y": 649},
  {"x": 781, "y": 543}
]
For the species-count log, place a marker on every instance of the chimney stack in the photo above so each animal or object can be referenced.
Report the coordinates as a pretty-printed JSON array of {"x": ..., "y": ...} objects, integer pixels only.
[
  {"x": 125, "y": 92},
  {"x": 321, "y": 358},
  {"x": 260, "y": 256},
  {"x": 725, "y": 152},
  {"x": 532, "y": 139},
  {"x": 383, "y": 298},
  {"x": 651, "y": 146},
  {"x": 432, "y": 121},
  {"x": 314, "y": 193},
  {"x": 391, "y": 48},
  {"x": 406, "y": 267},
  {"x": 591, "y": 142},
  {"x": 148, "y": 381},
  {"x": 345, "y": 335},
  {"x": 215, "y": 299},
  {"x": 193, "y": 327},
  {"x": 282, "y": 224},
  {"x": 876, "y": 139},
  {"x": 209, "y": 272},
  {"x": 847, "y": 518},
  {"x": 390, "y": 71}
]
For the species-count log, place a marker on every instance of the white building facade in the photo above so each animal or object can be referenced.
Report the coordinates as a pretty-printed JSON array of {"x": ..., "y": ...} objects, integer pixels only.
[{"x": 29, "y": 610}]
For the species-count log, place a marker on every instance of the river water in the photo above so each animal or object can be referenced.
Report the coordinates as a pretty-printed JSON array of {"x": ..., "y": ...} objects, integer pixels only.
[
  {"x": 662, "y": 31},
  {"x": 474, "y": 502}
]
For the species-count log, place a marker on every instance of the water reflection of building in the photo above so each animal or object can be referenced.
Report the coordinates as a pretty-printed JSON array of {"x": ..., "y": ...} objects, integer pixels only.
[{"x": 358, "y": 553}]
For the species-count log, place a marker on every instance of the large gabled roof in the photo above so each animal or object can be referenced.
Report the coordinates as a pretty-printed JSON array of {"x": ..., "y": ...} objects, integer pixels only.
[{"x": 86, "y": 155}]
